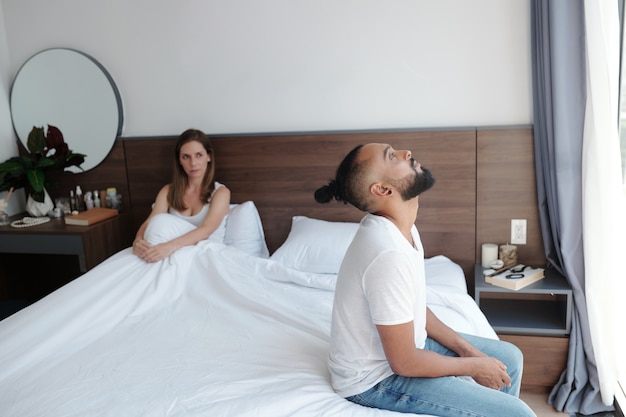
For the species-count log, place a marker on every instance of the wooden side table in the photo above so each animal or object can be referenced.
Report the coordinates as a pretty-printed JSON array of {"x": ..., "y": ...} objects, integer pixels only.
[
  {"x": 91, "y": 244},
  {"x": 543, "y": 308},
  {"x": 62, "y": 253},
  {"x": 537, "y": 319}
]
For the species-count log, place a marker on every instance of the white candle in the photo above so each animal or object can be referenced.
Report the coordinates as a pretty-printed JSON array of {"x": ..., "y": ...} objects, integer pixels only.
[{"x": 489, "y": 254}]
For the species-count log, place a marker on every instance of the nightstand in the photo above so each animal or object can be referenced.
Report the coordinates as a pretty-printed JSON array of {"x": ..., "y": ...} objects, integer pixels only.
[
  {"x": 35, "y": 261},
  {"x": 536, "y": 318},
  {"x": 543, "y": 308},
  {"x": 90, "y": 244}
]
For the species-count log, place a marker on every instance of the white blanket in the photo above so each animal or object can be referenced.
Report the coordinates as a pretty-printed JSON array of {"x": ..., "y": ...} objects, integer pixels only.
[{"x": 210, "y": 331}]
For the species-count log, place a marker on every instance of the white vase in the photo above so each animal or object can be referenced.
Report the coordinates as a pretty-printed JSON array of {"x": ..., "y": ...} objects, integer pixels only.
[{"x": 37, "y": 209}]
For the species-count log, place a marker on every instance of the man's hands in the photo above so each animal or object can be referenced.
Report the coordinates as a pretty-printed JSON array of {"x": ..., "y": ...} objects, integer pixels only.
[
  {"x": 491, "y": 373},
  {"x": 407, "y": 360}
]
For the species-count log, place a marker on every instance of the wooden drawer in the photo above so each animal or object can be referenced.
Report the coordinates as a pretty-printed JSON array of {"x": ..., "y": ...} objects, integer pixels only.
[{"x": 545, "y": 359}]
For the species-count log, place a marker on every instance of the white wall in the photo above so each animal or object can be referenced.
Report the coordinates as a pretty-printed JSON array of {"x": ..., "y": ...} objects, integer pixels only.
[
  {"x": 228, "y": 66},
  {"x": 8, "y": 145},
  {"x": 7, "y": 138}
]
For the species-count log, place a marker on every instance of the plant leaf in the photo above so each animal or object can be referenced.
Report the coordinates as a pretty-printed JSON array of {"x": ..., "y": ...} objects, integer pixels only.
[
  {"x": 75, "y": 159},
  {"x": 36, "y": 179},
  {"x": 13, "y": 165},
  {"x": 36, "y": 141},
  {"x": 44, "y": 163},
  {"x": 27, "y": 161},
  {"x": 4, "y": 184},
  {"x": 48, "y": 154},
  {"x": 54, "y": 139}
]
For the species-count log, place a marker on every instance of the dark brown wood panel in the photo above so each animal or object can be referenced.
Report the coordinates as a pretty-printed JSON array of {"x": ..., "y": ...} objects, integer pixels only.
[
  {"x": 280, "y": 173},
  {"x": 149, "y": 167},
  {"x": 485, "y": 178},
  {"x": 506, "y": 189}
]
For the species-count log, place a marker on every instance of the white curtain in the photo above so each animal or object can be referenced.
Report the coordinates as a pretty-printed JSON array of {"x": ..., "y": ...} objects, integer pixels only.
[{"x": 604, "y": 208}]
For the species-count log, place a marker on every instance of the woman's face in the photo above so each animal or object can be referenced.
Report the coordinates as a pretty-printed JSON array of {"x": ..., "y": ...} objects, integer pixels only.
[{"x": 194, "y": 159}]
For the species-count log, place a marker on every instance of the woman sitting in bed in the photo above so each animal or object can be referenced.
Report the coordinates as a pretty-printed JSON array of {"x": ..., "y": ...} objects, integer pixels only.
[{"x": 193, "y": 195}]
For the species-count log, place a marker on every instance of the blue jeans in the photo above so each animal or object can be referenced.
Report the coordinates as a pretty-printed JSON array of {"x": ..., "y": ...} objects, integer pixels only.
[{"x": 453, "y": 396}]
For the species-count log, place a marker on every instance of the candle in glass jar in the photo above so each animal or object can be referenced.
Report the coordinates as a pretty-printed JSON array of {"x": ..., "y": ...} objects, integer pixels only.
[
  {"x": 489, "y": 254},
  {"x": 508, "y": 255}
]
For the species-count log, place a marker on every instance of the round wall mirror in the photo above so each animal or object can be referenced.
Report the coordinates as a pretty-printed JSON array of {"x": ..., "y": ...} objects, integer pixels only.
[{"x": 72, "y": 91}]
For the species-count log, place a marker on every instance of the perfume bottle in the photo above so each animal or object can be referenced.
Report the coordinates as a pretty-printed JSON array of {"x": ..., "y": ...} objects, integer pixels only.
[
  {"x": 96, "y": 199},
  {"x": 80, "y": 201},
  {"x": 4, "y": 217},
  {"x": 72, "y": 201},
  {"x": 88, "y": 201}
]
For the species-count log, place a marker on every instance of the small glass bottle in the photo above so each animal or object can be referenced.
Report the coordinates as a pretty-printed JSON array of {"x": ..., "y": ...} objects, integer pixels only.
[
  {"x": 96, "y": 199},
  {"x": 4, "y": 216},
  {"x": 72, "y": 201},
  {"x": 112, "y": 197},
  {"x": 88, "y": 201},
  {"x": 80, "y": 202}
]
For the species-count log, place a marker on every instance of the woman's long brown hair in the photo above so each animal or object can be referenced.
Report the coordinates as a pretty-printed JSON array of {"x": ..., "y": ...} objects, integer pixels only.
[{"x": 179, "y": 177}]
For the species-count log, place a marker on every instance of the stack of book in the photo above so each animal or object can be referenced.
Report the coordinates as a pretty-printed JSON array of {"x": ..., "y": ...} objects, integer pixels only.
[
  {"x": 513, "y": 280},
  {"x": 92, "y": 216}
]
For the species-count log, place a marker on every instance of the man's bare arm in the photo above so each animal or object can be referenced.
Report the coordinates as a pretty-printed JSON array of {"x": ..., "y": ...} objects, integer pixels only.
[{"x": 407, "y": 360}]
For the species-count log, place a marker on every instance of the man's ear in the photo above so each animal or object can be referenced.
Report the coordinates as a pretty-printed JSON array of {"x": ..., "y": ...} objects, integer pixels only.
[{"x": 380, "y": 189}]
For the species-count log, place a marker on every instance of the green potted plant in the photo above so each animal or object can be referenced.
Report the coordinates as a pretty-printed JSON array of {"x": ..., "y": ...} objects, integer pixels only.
[{"x": 47, "y": 154}]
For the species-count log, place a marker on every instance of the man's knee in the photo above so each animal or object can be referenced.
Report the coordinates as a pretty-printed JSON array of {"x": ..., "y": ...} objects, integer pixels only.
[{"x": 512, "y": 352}]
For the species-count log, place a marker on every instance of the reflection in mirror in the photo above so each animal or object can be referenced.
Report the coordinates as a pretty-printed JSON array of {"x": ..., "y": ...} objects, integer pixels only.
[{"x": 72, "y": 91}]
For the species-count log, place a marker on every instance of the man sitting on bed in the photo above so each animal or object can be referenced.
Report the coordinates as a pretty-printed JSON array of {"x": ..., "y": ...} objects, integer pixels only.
[{"x": 387, "y": 349}]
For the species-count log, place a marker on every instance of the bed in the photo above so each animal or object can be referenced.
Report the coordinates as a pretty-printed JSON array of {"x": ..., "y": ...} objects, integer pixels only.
[{"x": 237, "y": 325}]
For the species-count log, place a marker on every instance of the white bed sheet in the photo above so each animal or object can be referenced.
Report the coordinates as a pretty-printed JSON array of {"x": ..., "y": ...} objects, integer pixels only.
[{"x": 211, "y": 331}]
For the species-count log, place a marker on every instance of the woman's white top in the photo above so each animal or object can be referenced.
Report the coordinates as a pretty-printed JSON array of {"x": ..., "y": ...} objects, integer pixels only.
[
  {"x": 165, "y": 226},
  {"x": 198, "y": 218}
]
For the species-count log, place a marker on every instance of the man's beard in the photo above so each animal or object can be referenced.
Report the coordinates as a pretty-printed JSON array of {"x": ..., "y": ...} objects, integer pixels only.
[{"x": 413, "y": 185}]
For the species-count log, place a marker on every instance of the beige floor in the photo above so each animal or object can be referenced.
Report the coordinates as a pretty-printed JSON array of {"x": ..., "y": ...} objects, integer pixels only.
[{"x": 538, "y": 402}]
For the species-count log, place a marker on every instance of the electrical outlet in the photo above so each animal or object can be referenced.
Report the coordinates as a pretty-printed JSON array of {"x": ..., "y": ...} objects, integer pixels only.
[{"x": 518, "y": 231}]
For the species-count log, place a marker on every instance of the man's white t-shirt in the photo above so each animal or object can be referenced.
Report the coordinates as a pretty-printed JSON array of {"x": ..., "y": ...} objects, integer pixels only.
[{"x": 381, "y": 282}]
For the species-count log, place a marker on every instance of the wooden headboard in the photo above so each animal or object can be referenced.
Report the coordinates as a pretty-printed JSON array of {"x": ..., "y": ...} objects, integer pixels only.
[{"x": 471, "y": 202}]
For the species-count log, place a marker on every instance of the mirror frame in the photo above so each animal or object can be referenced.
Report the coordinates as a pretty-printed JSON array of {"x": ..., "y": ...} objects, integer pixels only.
[{"x": 71, "y": 90}]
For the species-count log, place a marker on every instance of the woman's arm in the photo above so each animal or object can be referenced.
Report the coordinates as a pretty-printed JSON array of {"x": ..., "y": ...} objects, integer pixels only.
[
  {"x": 140, "y": 246},
  {"x": 217, "y": 211}
]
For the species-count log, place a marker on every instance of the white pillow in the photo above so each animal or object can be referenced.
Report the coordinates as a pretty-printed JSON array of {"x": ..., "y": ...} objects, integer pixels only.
[
  {"x": 244, "y": 229},
  {"x": 241, "y": 228},
  {"x": 316, "y": 246}
]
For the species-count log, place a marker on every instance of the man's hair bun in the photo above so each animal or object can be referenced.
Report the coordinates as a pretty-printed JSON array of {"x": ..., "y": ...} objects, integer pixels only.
[{"x": 327, "y": 192}]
